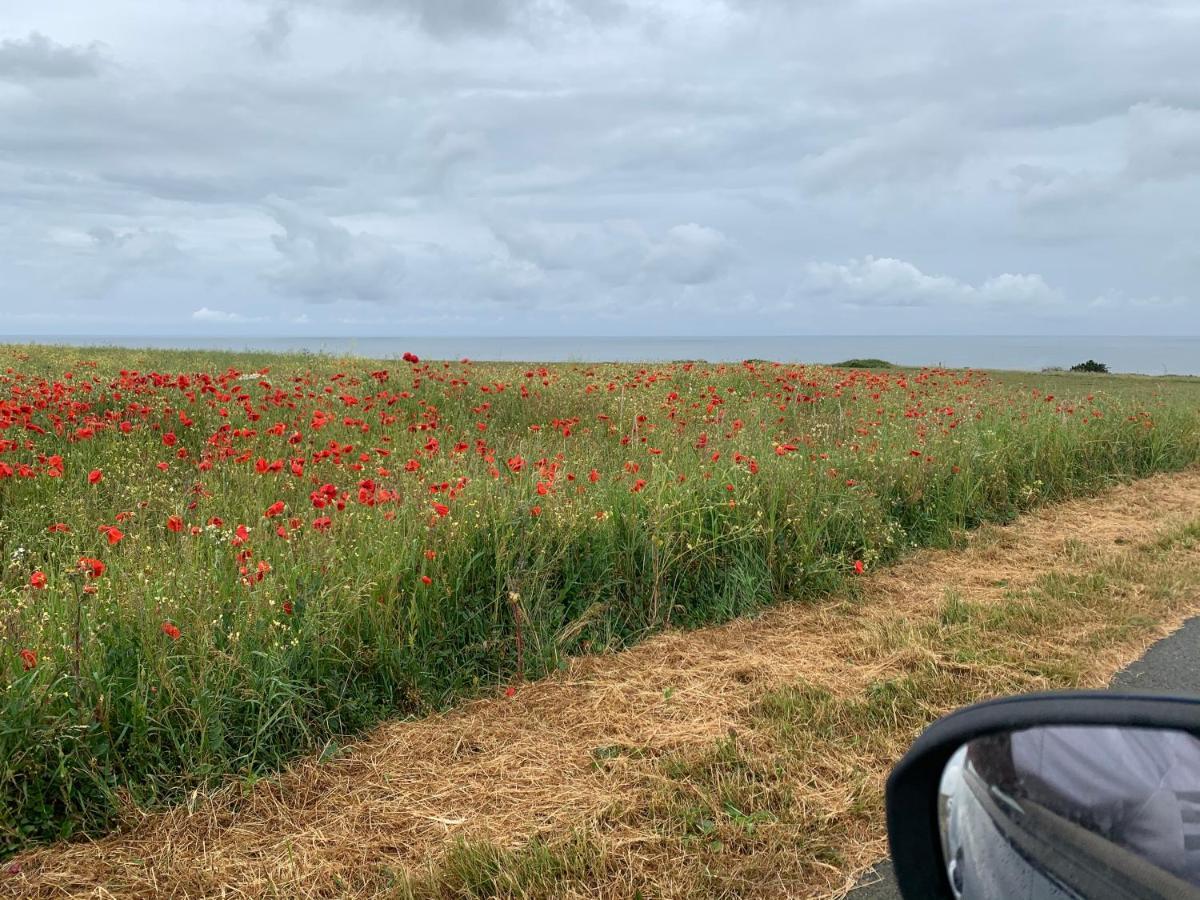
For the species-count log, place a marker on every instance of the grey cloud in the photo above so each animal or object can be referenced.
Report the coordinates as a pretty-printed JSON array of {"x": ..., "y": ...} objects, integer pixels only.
[
  {"x": 692, "y": 254},
  {"x": 140, "y": 244},
  {"x": 272, "y": 35},
  {"x": 1161, "y": 143},
  {"x": 117, "y": 256},
  {"x": 1164, "y": 142},
  {"x": 447, "y": 19},
  {"x": 621, "y": 252},
  {"x": 1043, "y": 189},
  {"x": 446, "y": 149},
  {"x": 912, "y": 149},
  {"x": 36, "y": 56},
  {"x": 213, "y": 188},
  {"x": 324, "y": 262},
  {"x": 615, "y": 252},
  {"x": 882, "y": 282}
]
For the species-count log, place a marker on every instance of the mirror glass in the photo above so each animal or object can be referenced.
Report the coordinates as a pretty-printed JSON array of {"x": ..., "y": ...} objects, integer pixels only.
[{"x": 1073, "y": 811}]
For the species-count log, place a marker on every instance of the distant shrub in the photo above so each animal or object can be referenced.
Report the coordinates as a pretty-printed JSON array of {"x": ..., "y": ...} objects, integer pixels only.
[
  {"x": 1053, "y": 370},
  {"x": 865, "y": 364},
  {"x": 1090, "y": 366}
]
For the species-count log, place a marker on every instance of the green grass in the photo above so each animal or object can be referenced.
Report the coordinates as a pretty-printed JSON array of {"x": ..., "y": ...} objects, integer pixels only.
[
  {"x": 762, "y": 483},
  {"x": 481, "y": 870}
]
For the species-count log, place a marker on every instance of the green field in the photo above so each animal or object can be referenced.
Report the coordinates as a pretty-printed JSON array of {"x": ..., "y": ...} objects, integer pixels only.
[{"x": 294, "y": 547}]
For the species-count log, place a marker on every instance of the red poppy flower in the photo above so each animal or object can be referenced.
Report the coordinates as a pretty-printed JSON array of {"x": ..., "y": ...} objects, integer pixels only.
[
  {"x": 274, "y": 509},
  {"x": 638, "y": 485},
  {"x": 113, "y": 533},
  {"x": 287, "y": 607},
  {"x": 170, "y": 631},
  {"x": 37, "y": 580},
  {"x": 169, "y": 439},
  {"x": 95, "y": 476},
  {"x": 174, "y": 523},
  {"x": 441, "y": 509},
  {"x": 59, "y": 528},
  {"x": 91, "y": 567},
  {"x": 28, "y": 659},
  {"x": 426, "y": 580},
  {"x": 858, "y": 566}
]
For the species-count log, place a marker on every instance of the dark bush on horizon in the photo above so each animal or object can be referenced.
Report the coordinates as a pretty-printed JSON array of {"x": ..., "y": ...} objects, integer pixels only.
[
  {"x": 864, "y": 364},
  {"x": 1090, "y": 366}
]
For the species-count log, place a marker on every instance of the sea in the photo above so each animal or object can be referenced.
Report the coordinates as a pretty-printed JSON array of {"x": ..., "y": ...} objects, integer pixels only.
[{"x": 1143, "y": 355}]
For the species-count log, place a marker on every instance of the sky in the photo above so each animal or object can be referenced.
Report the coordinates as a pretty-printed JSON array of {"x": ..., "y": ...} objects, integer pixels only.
[{"x": 599, "y": 167}]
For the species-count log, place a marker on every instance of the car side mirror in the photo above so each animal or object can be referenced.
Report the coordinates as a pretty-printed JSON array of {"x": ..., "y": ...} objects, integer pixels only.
[{"x": 1051, "y": 795}]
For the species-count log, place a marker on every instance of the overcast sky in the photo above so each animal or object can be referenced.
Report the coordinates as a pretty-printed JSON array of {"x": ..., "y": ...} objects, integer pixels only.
[{"x": 693, "y": 167}]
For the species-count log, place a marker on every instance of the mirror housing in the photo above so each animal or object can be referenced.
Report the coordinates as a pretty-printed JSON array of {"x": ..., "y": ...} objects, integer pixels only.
[{"x": 914, "y": 832}]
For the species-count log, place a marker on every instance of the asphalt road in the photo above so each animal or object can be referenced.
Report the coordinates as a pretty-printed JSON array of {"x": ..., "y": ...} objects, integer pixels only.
[{"x": 1171, "y": 665}]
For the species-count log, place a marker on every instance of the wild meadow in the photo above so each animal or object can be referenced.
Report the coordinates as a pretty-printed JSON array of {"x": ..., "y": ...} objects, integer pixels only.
[{"x": 211, "y": 562}]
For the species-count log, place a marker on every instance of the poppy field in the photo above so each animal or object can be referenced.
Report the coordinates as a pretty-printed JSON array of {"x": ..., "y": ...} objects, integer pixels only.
[{"x": 212, "y": 562}]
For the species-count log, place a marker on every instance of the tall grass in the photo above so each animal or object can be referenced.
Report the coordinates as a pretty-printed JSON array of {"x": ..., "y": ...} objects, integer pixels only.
[{"x": 718, "y": 489}]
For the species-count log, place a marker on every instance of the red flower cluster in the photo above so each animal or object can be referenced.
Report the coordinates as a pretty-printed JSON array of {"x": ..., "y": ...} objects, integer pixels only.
[{"x": 428, "y": 451}]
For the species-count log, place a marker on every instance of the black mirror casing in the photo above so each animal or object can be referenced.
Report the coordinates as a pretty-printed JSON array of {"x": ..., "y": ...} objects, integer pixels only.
[{"x": 912, "y": 787}]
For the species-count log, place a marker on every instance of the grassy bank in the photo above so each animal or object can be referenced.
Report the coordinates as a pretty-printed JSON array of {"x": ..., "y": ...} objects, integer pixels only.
[
  {"x": 781, "y": 806},
  {"x": 294, "y": 547}
]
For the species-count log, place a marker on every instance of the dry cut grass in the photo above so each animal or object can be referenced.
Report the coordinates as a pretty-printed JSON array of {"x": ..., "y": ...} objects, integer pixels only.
[{"x": 745, "y": 760}]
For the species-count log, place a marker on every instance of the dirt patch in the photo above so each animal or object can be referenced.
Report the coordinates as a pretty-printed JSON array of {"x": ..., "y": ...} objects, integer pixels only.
[{"x": 575, "y": 753}]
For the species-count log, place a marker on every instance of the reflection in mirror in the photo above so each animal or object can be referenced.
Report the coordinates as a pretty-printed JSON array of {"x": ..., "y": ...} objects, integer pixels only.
[{"x": 1073, "y": 811}]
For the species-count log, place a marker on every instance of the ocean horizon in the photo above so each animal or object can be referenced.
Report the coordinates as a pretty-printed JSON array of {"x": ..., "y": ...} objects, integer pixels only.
[{"x": 1146, "y": 355}]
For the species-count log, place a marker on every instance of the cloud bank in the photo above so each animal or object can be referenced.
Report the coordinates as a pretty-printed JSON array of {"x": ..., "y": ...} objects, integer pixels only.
[{"x": 600, "y": 167}]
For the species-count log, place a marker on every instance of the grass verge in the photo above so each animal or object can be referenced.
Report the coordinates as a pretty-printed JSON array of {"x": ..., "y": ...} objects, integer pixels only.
[
  {"x": 776, "y": 808},
  {"x": 740, "y": 761}
]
